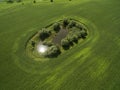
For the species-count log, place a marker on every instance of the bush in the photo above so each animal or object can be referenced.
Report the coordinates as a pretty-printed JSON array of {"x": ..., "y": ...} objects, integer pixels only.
[
  {"x": 44, "y": 33},
  {"x": 53, "y": 51},
  {"x": 56, "y": 27}
]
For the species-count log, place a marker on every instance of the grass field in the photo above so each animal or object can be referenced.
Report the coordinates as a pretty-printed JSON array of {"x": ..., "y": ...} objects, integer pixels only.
[{"x": 93, "y": 64}]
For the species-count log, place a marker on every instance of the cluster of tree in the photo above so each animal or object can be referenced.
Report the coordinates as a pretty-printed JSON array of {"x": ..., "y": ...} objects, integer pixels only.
[
  {"x": 74, "y": 35},
  {"x": 34, "y": 1},
  {"x": 53, "y": 51},
  {"x": 11, "y": 1},
  {"x": 68, "y": 41},
  {"x": 56, "y": 27},
  {"x": 44, "y": 33},
  {"x": 67, "y": 22}
]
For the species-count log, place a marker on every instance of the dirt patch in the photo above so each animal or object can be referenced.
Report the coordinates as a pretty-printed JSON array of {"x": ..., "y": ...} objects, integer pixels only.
[{"x": 60, "y": 35}]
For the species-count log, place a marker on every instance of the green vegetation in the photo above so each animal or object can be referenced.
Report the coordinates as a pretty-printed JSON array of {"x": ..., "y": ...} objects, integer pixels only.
[
  {"x": 10, "y": 1},
  {"x": 56, "y": 31},
  {"x": 56, "y": 27},
  {"x": 92, "y": 64},
  {"x": 53, "y": 51},
  {"x": 44, "y": 33}
]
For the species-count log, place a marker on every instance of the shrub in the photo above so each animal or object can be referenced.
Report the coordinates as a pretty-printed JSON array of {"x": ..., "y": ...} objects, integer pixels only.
[{"x": 56, "y": 27}]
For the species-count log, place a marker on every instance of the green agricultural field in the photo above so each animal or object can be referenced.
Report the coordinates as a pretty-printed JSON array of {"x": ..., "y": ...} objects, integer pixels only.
[{"x": 93, "y": 64}]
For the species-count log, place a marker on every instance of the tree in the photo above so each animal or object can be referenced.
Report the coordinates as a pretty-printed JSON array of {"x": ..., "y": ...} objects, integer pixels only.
[
  {"x": 56, "y": 27},
  {"x": 65, "y": 44},
  {"x": 10, "y": 1},
  {"x": 72, "y": 24},
  {"x": 69, "y": 38},
  {"x": 33, "y": 44},
  {"x": 75, "y": 38},
  {"x": 78, "y": 34},
  {"x": 83, "y": 34},
  {"x": 19, "y": 0},
  {"x": 51, "y": 0},
  {"x": 65, "y": 22},
  {"x": 44, "y": 33},
  {"x": 53, "y": 51},
  {"x": 34, "y": 1},
  {"x": 79, "y": 26}
]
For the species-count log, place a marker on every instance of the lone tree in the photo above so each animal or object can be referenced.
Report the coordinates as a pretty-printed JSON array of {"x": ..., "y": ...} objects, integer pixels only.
[
  {"x": 51, "y": 0},
  {"x": 34, "y": 1}
]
